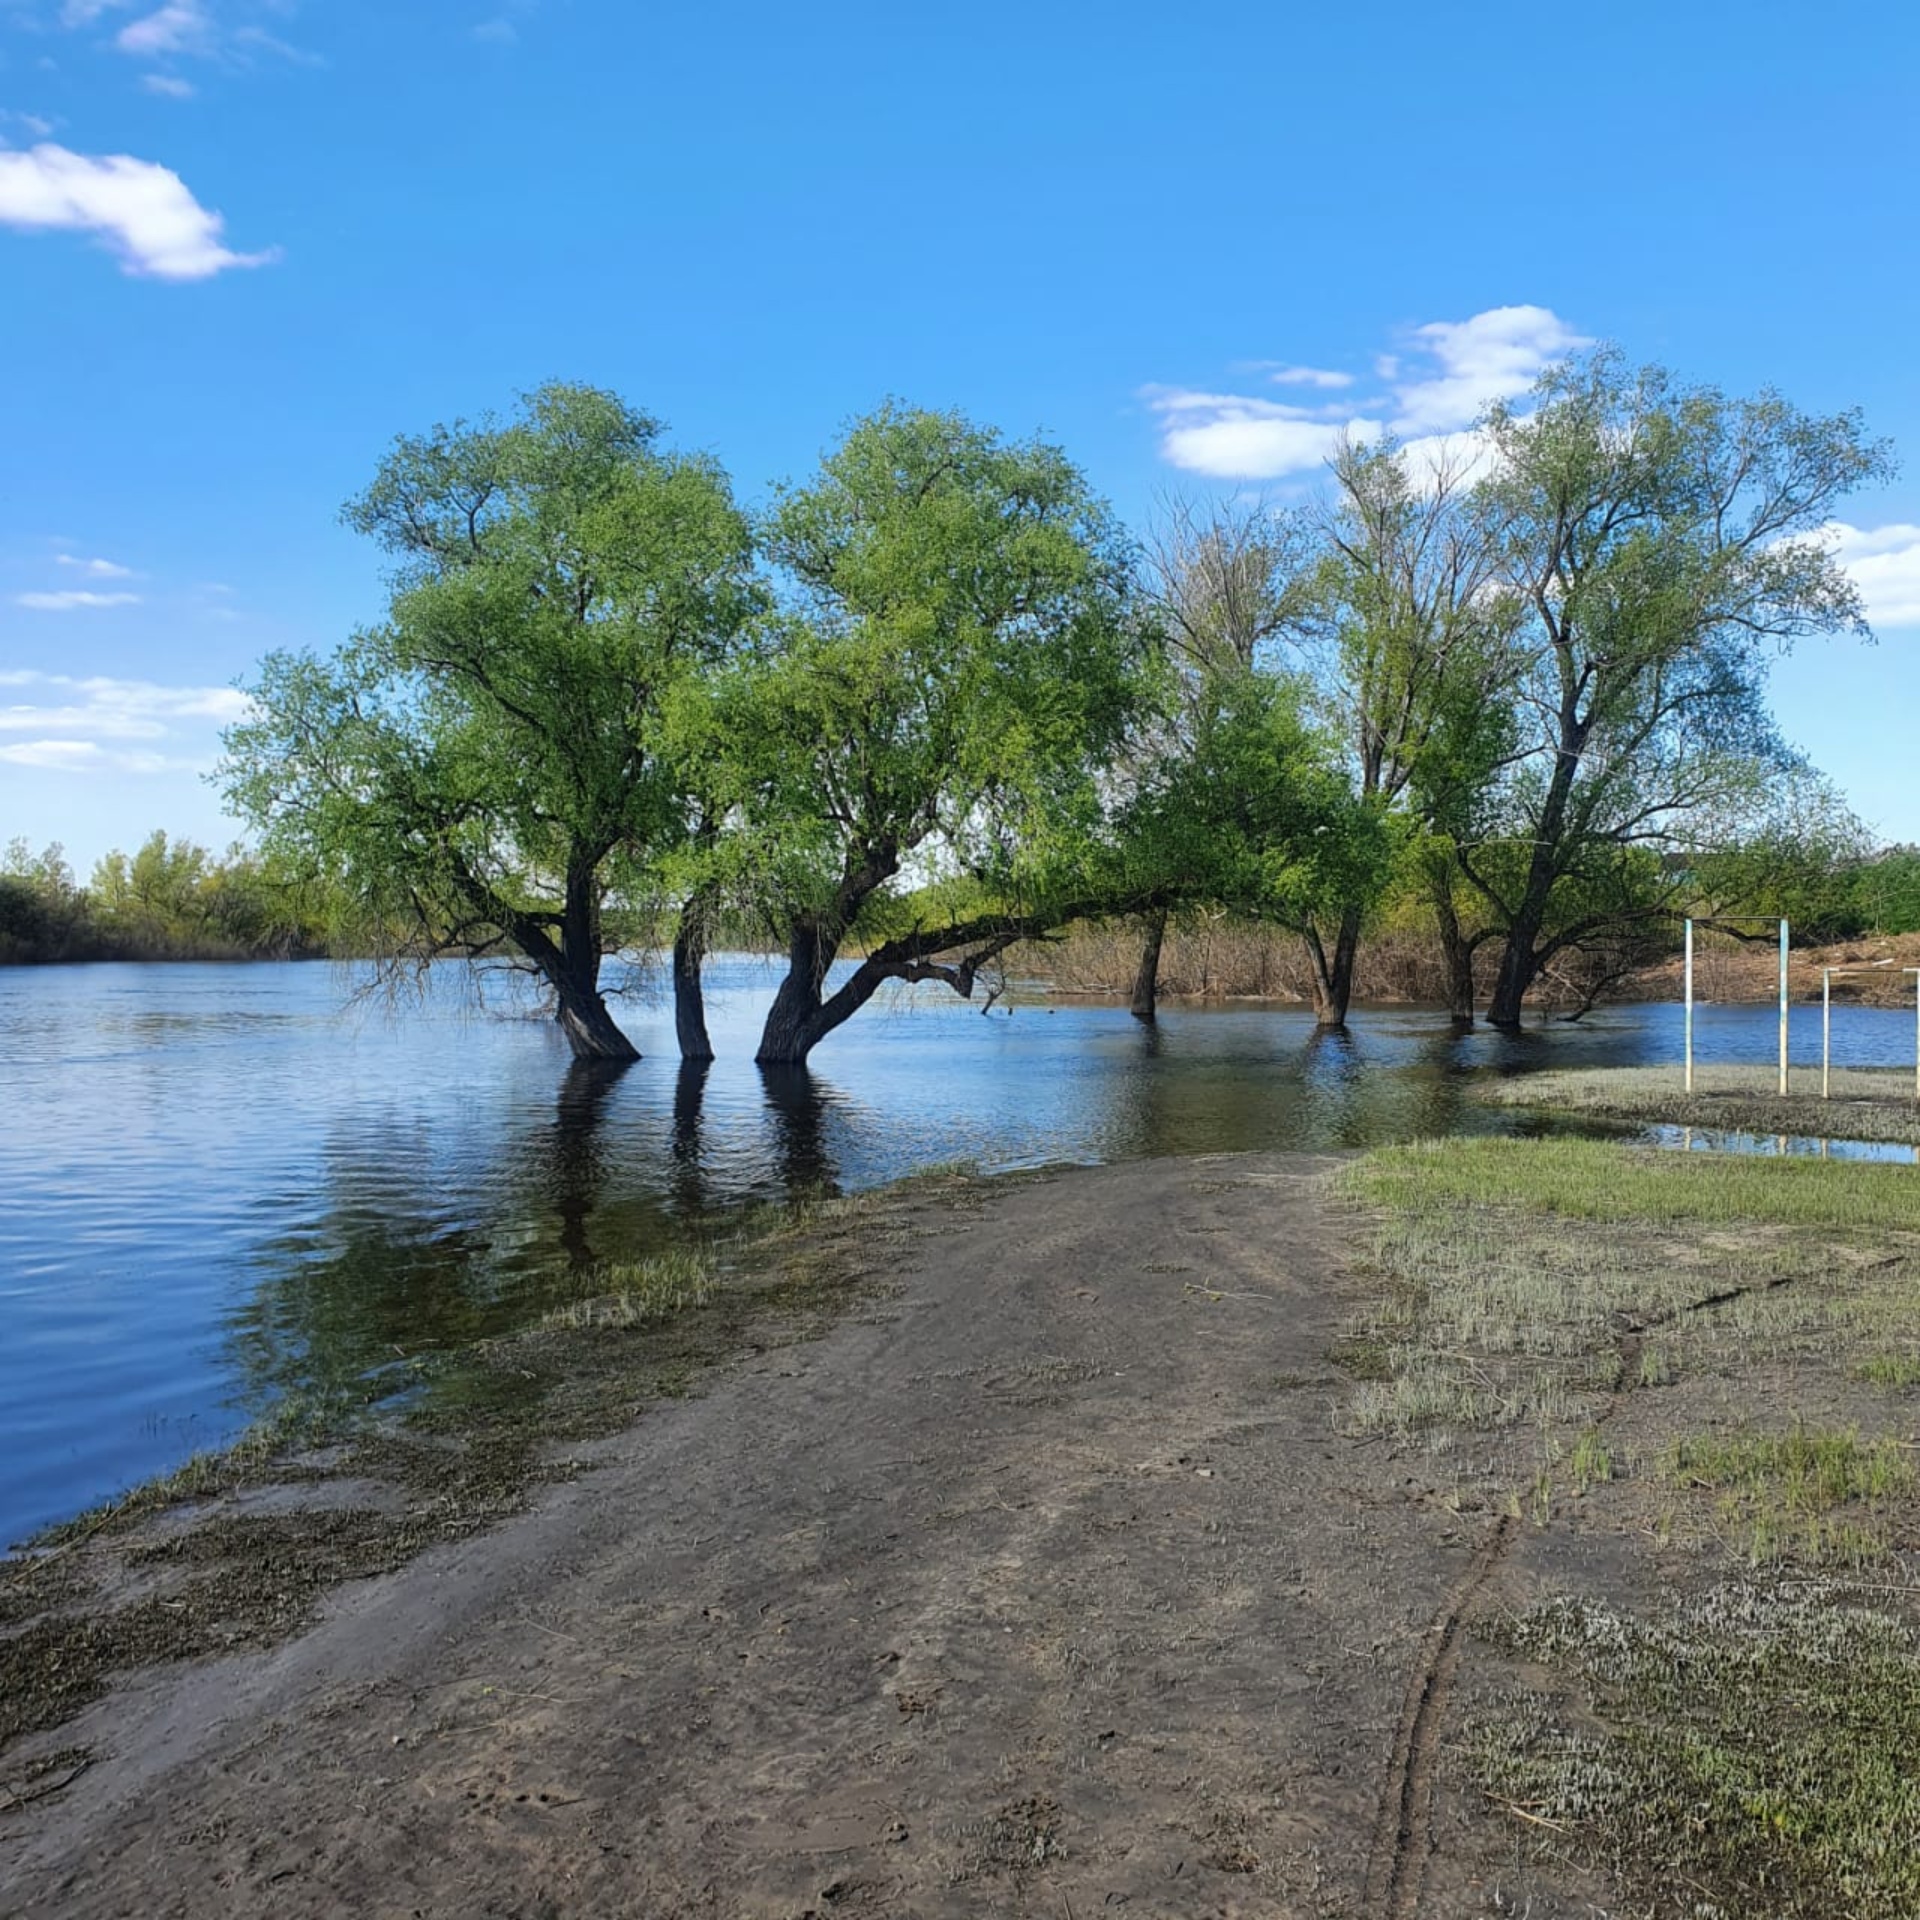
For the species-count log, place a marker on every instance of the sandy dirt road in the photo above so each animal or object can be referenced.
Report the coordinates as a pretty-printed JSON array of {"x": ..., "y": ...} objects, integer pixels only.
[{"x": 1047, "y": 1585}]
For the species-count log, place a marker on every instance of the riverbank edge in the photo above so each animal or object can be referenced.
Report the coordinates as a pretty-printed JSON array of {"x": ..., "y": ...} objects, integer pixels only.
[
  {"x": 235, "y": 1549},
  {"x": 1874, "y": 1105}
]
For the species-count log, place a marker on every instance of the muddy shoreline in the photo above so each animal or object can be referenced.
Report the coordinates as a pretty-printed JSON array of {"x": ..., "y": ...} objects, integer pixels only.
[{"x": 1068, "y": 1544}]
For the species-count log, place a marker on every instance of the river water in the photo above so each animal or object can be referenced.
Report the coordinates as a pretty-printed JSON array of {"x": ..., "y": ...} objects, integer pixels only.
[{"x": 221, "y": 1183}]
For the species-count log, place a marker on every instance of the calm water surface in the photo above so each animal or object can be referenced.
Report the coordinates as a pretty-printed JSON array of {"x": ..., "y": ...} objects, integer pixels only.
[{"x": 219, "y": 1183}]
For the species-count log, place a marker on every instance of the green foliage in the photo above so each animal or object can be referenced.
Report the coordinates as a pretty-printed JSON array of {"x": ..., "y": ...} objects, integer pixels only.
[
  {"x": 172, "y": 900},
  {"x": 491, "y": 762},
  {"x": 1658, "y": 542},
  {"x": 1253, "y": 811},
  {"x": 955, "y": 659}
]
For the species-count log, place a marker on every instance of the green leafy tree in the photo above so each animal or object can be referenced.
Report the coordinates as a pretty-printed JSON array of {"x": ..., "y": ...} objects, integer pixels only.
[
  {"x": 1655, "y": 538},
  {"x": 485, "y": 767},
  {"x": 1223, "y": 581},
  {"x": 1403, "y": 629},
  {"x": 958, "y": 656},
  {"x": 1254, "y": 815}
]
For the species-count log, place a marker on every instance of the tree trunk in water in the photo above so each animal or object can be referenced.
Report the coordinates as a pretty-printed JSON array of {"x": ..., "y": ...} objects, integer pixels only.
[
  {"x": 1146, "y": 982},
  {"x": 1333, "y": 972},
  {"x": 689, "y": 1000},
  {"x": 573, "y": 971},
  {"x": 1517, "y": 969},
  {"x": 1333, "y": 977},
  {"x": 803, "y": 1013},
  {"x": 1456, "y": 957},
  {"x": 589, "y": 1027}
]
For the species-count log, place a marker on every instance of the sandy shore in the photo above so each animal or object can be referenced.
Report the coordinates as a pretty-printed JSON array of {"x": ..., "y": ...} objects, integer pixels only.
[
  {"x": 1171, "y": 1539},
  {"x": 1046, "y": 1586}
]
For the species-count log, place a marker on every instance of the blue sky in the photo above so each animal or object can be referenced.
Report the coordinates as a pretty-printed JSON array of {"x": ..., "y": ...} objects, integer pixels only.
[{"x": 245, "y": 242}]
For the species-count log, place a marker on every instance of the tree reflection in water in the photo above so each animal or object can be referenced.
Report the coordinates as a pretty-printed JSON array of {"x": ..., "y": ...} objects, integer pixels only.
[{"x": 798, "y": 1104}]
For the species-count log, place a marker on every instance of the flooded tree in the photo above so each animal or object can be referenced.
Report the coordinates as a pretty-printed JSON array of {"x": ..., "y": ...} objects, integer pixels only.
[
  {"x": 915, "y": 768},
  {"x": 484, "y": 769},
  {"x": 1661, "y": 544}
]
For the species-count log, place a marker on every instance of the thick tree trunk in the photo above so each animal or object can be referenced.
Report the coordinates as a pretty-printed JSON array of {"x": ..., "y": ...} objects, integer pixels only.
[
  {"x": 589, "y": 1027},
  {"x": 689, "y": 999},
  {"x": 1146, "y": 981},
  {"x": 1333, "y": 970},
  {"x": 573, "y": 971},
  {"x": 1456, "y": 956},
  {"x": 1518, "y": 967},
  {"x": 1519, "y": 956}
]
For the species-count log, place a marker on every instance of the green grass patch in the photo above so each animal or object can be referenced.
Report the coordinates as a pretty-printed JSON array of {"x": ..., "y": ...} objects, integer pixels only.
[
  {"x": 1601, "y": 1180},
  {"x": 1892, "y": 1371},
  {"x": 1756, "y": 1757},
  {"x": 1816, "y": 1497},
  {"x": 1868, "y": 1103}
]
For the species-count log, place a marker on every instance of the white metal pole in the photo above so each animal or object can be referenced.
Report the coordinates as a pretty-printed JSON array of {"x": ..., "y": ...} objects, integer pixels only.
[
  {"x": 1784, "y": 1068},
  {"x": 1689, "y": 1019},
  {"x": 1915, "y": 971},
  {"x": 1826, "y": 1032}
]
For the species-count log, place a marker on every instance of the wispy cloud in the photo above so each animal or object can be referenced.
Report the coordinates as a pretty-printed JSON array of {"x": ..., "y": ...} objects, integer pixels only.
[
  {"x": 1284, "y": 376},
  {"x": 74, "y": 600},
  {"x": 141, "y": 211},
  {"x": 95, "y": 569},
  {"x": 233, "y": 34},
  {"x": 83, "y": 13},
  {"x": 1429, "y": 392},
  {"x": 169, "y": 86},
  {"x": 99, "y": 724},
  {"x": 1885, "y": 565},
  {"x": 88, "y": 756},
  {"x": 181, "y": 26}
]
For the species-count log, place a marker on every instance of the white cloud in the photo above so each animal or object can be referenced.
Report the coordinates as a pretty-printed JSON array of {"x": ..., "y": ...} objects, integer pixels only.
[
  {"x": 145, "y": 728},
  {"x": 181, "y": 26},
  {"x": 83, "y": 13},
  {"x": 1234, "y": 438},
  {"x": 73, "y": 599},
  {"x": 1496, "y": 355},
  {"x": 1432, "y": 391},
  {"x": 1885, "y": 565},
  {"x": 502, "y": 32},
  {"x": 69, "y": 756},
  {"x": 142, "y": 211},
  {"x": 1309, "y": 377},
  {"x": 168, "y": 85},
  {"x": 95, "y": 569},
  {"x": 85, "y": 756}
]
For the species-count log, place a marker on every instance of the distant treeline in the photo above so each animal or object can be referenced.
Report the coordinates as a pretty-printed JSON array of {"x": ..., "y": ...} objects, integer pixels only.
[
  {"x": 171, "y": 900},
  {"x": 1828, "y": 897}
]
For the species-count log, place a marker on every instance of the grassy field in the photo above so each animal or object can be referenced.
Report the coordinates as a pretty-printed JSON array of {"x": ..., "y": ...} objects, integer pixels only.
[
  {"x": 1693, "y": 1379},
  {"x": 1868, "y": 1103}
]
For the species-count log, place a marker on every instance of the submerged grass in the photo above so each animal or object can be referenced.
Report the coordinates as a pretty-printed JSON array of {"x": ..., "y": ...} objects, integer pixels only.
[
  {"x": 235, "y": 1548},
  {"x": 628, "y": 1294}
]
